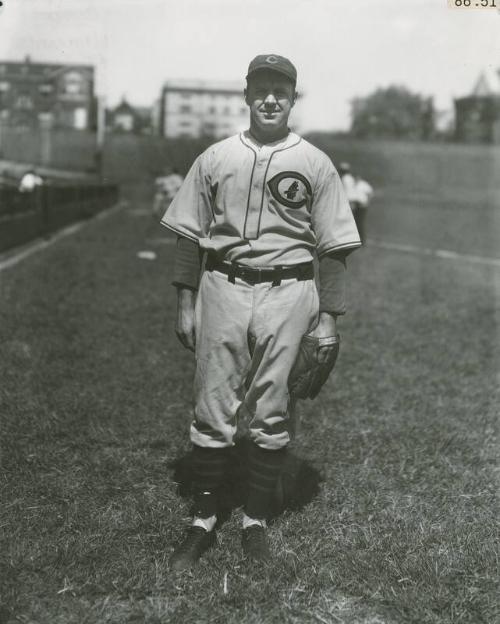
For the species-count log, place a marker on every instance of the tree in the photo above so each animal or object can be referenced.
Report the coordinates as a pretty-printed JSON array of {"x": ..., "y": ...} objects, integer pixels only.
[{"x": 393, "y": 112}]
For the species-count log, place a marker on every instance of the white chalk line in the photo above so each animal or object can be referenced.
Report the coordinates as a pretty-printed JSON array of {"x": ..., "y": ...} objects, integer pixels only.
[
  {"x": 445, "y": 254},
  {"x": 40, "y": 245}
]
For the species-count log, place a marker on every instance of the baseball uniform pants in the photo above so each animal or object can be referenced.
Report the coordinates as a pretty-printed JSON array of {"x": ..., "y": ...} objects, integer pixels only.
[{"x": 247, "y": 339}]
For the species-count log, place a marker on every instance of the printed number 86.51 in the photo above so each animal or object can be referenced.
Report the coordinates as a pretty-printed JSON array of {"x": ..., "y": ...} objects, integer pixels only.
[{"x": 476, "y": 3}]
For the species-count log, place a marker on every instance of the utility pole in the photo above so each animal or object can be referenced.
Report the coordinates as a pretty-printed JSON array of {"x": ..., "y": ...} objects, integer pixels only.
[{"x": 100, "y": 135}]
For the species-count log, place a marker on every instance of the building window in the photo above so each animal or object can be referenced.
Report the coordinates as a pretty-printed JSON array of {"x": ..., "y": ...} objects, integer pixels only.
[
  {"x": 124, "y": 122},
  {"x": 185, "y": 124},
  {"x": 2, "y": 69},
  {"x": 185, "y": 108},
  {"x": 227, "y": 110},
  {"x": 80, "y": 118},
  {"x": 186, "y": 96},
  {"x": 243, "y": 110},
  {"x": 45, "y": 89},
  {"x": 73, "y": 83},
  {"x": 212, "y": 110},
  {"x": 24, "y": 102}
]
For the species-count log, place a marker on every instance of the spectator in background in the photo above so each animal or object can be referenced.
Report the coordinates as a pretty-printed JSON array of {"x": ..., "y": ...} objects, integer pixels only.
[
  {"x": 30, "y": 181},
  {"x": 166, "y": 189}
]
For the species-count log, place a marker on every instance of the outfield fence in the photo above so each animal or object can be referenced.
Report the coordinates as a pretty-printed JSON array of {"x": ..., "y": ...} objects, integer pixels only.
[
  {"x": 451, "y": 171},
  {"x": 26, "y": 216},
  {"x": 59, "y": 148}
]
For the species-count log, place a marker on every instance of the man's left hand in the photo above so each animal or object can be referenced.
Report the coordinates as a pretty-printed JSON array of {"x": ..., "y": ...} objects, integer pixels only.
[{"x": 326, "y": 327}]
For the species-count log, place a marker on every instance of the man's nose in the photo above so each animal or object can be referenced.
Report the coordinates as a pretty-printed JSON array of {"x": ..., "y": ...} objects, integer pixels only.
[{"x": 270, "y": 100}]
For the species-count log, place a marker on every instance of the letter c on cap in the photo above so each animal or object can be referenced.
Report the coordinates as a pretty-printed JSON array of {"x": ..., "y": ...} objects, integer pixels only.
[{"x": 271, "y": 59}]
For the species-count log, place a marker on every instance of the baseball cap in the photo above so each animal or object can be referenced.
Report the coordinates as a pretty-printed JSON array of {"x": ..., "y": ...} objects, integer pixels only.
[{"x": 274, "y": 62}]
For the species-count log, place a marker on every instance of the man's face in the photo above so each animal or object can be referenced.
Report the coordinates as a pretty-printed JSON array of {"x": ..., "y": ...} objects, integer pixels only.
[{"x": 270, "y": 96}]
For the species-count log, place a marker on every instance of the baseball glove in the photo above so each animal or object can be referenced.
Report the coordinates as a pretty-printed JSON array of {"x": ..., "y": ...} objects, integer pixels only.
[{"x": 308, "y": 374}]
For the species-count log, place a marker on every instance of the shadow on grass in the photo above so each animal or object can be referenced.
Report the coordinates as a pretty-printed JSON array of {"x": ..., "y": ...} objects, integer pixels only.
[{"x": 297, "y": 486}]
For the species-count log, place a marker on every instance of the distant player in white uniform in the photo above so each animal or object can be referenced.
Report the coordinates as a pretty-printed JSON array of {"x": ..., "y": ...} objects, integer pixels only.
[
  {"x": 359, "y": 193},
  {"x": 260, "y": 206},
  {"x": 349, "y": 182},
  {"x": 166, "y": 186},
  {"x": 364, "y": 195}
]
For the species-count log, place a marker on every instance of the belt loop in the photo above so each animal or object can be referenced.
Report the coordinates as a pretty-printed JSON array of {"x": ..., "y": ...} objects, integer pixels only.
[
  {"x": 210, "y": 262},
  {"x": 277, "y": 279},
  {"x": 231, "y": 273}
]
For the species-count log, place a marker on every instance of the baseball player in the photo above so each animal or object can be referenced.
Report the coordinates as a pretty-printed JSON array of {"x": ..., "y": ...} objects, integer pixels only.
[
  {"x": 359, "y": 193},
  {"x": 258, "y": 206},
  {"x": 364, "y": 195},
  {"x": 349, "y": 182},
  {"x": 167, "y": 186}
]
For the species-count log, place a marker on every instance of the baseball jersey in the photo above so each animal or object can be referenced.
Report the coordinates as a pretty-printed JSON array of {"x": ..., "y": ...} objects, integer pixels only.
[{"x": 264, "y": 205}]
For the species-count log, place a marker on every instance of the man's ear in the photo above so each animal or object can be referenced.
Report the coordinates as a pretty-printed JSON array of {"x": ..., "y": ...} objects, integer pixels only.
[
  {"x": 245, "y": 93},
  {"x": 295, "y": 96}
]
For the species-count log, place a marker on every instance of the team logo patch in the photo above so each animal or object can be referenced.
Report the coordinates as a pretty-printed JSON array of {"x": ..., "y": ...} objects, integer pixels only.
[
  {"x": 290, "y": 188},
  {"x": 271, "y": 59}
]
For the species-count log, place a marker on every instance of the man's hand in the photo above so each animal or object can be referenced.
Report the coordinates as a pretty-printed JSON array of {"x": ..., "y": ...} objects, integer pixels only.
[
  {"x": 315, "y": 360},
  {"x": 326, "y": 327},
  {"x": 185, "y": 326}
]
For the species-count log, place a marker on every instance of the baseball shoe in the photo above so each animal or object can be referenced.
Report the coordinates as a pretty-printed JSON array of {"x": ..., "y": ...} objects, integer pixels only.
[
  {"x": 195, "y": 543},
  {"x": 254, "y": 543}
]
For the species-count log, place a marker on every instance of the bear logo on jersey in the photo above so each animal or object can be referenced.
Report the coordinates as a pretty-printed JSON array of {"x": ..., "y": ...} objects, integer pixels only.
[{"x": 290, "y": 189}]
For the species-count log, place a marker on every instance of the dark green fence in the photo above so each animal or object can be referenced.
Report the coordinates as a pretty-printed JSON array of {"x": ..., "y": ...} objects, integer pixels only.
[{"x": 25, "y": 216}]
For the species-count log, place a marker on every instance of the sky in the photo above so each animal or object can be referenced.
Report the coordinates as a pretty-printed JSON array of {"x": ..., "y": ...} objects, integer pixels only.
[{"x": 342, "y": 48}]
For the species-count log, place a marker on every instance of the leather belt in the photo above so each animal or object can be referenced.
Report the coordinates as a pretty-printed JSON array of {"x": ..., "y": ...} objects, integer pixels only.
[{"x": 303, "y": 271}]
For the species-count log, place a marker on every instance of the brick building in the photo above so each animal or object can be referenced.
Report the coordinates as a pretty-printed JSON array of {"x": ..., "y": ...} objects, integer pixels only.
[
  {"x": 62, "y": 94},
  {"x": 477, "y": 116}
]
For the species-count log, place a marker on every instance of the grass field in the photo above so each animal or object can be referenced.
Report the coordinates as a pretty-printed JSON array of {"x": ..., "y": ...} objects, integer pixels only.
[{"x": 391, "y": 509}]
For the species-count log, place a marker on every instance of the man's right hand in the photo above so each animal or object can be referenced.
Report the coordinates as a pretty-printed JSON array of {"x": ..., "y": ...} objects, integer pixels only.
[{"x": 185, "y": 326}]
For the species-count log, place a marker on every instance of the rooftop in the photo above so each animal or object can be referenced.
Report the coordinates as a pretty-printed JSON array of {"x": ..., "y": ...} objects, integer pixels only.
[
  {"x": 29, "y": 67},
  {"x": 487, "y": 84},
  {"x": 224, "y": 86}
]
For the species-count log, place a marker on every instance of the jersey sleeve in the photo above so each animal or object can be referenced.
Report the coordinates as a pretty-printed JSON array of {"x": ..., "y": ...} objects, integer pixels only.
[
  {"x": 331, "y": 214},
  {"x": 190, "y": 212},
  {"x": 187, "y": 265},
  {"x": 332, "y": 283}
]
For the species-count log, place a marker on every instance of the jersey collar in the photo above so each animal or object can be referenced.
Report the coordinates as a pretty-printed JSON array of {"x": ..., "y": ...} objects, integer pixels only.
[{"x": 250, "y": 141}]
